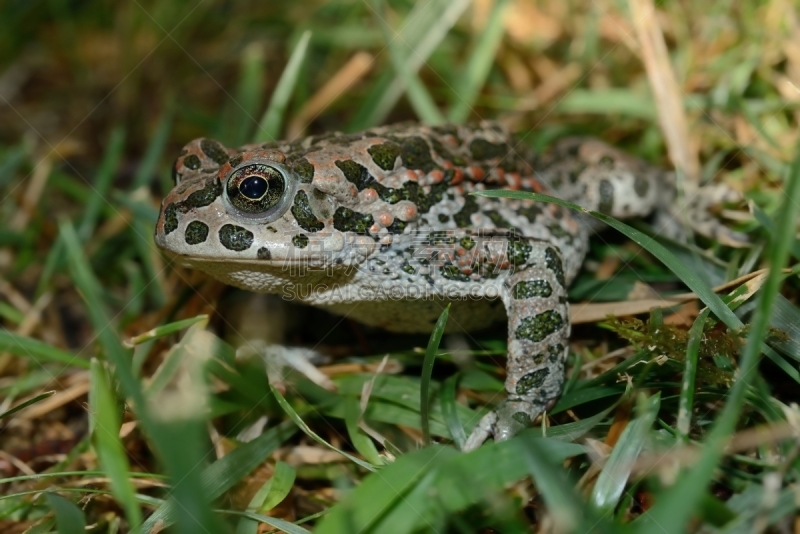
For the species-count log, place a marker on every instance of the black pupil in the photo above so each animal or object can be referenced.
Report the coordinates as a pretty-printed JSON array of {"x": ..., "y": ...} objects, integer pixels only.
[{"x": 253, "y": 187}]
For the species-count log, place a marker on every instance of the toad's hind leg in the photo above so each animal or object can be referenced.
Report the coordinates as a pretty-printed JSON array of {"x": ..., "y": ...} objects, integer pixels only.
[{"x": 535, "y": 298}]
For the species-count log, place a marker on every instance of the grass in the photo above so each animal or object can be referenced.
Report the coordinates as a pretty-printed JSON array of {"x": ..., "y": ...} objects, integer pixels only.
[{"x": 124, "y": 406}]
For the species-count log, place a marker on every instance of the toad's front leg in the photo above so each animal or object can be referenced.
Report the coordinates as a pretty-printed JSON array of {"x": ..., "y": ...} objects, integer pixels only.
[{"x": 535, "y": 297}]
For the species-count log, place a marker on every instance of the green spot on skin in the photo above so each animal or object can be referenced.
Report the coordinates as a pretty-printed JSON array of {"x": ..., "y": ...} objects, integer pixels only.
[
  {"x": 556, "y": 352},
  {"x": 301, "y": 209},
  {"x": 416, "y": 154},
  {"x": 355, "y": 173},
  {"x": 606, "y": 190},
  {"x": 203, "y": 197},
  {"x": 497, "y": 219},
  {"x": 235, "y": 237},
  {"x": 347, "y": 220},
  {"x": 304, "y": 170},
  {"x": 214, "y": 151},
  {"x": 531, "y": 288},
  {"x": 463, "y": 217},
  {"x": 235, "y": 161},
  {"x": 553, "y": 262},
  {"x": 452, "y": 272},
  {"x": 522, "y": 418},
  {"x": 263, "y": 254},
  {"x": 518, "y": 251},
  {"x": 397, "y": 227},
  {"x": 192, "y": 162},
  {"x": 641, "y": 186},
  {"x": 467, "y": 242},
  {"x": 481, "y": 149},
  {"x": 196, "y": 232},
  {"x": 170, "y": 218},
  {"x": 532, "y": 381},
  {"x": 443, "y": 218},
  {"x": 539, "y": 326},
  {"x": 384, "y": 155},
  {"x": 300, "y": 241}
]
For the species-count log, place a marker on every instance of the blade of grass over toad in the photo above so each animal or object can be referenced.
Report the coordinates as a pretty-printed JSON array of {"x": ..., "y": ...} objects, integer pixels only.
[
  {"x": 421, "y": 100},
  {"x": 480, "y": 63},
  {"x": 614, "y": 476},
  {"x": 425, "y": 32},
  {"x": 164, "y": 330},
  {"x": 69, "y": 518},
  {"x": 270, "y": 125},
  {"x": 38, "y": 351},
  {"x": 675, "y": 506},
  {"x": 104, "y": 426},
  {"x": 427, "y": 370},
  {"x": 179, "y": 459},
  {"x": 310, "y": 433},
  {"x": 686, "y": 404},
  {"x": 448, "y": 396},
  {"x": 23, "y": 405},
  {"x": 687, "y": 276}
]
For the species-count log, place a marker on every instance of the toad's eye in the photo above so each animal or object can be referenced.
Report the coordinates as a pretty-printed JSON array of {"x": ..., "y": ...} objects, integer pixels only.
[{"x": 258, "y": 190}]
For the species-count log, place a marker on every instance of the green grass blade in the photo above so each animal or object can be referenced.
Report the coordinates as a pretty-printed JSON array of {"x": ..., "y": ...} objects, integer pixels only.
[
  {"x": 102, "y": 183},
  {"x": 677, "y": 504},
  {"x": 360, "y": 440},
  {"x": 479, "y": 65},
  {"x": 268, "y": 496},
  {"x": 270, "y": 126},
  {"x": 614, "y": 476},
  {"x": 421, "y": 100},
  {"x": 155, "y": 149},
  {"x": 38, "y": 351},
  {"x": 686, "y": 404},
  {"x": 23, "y": 405},
  {"x": 427, "y": 370},
  {"x": 69, "y": 518},
  {"x": 449, "y": 412},
  {"x": 104, "y": 426},
  {"x": 310, "y": 433}
]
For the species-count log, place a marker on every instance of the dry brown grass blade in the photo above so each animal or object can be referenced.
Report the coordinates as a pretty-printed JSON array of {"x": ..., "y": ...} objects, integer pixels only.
[
  {"x": 666, "y": 91},
  {"x": 346, "y": 77},
  {"x": 588, "y": 312}
]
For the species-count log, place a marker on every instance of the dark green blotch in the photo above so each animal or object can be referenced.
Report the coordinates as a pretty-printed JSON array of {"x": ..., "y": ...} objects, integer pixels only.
[
  {"x": 556, "y": 352},
  {"x": 384, "y": 155},
  {"x": 641, "y": 186},
  {"x": 192, "y": 162},
  {"x": 539, "y": 326},
  {"x": 301, "y": 209},
  {"x": 606, "y": 190},
  {"x": 300, "y": 241},
  {"x": 235, "y": 237},
  {"x": 498, "y": 220},
  {"x": 531, "y": 288},
  {"x": 196, "y": 232},
  {"x": 443, "y": 217},
  {"x": 518, "y": 251},
  {"x": 355, "y": 173},
  {"x": 170, "y": 218},
  {"x": 606, "y": 161},
  {"x": 531, "y": 212},
  {"x": 532, "y": 381},
  {"x": 467, "y": 242},
  {"x": 304, "y": 170},
  {"x": 235, "y": 161},
  {"x": 446, "y": 154},
  {"x": 263, "y": 254},
  {"x": 522, "y": 418},
  {"x": 452, "y": 272},
  {"x": 481, "y": 149},
  {"x": 397, "y": 227},
  {"x": 416, "y": 154},
  {"x": 407, "y": 267},
  {"x": 553, "y": 262},
  {"x": 463, "y": 217},
  {"x": 203, "y": 197},
  {"x": 214, "y": 151},
  {"x": 347, "y": 220}
]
